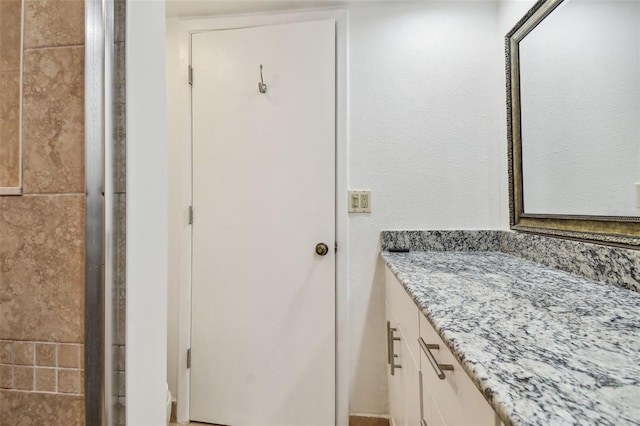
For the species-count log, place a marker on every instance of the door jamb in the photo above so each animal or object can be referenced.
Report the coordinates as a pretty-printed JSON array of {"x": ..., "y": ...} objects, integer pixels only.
[{"x": 180, "y": 131}]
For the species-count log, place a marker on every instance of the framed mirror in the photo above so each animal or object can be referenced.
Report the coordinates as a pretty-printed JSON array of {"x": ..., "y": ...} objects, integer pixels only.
[{"x": 573, "y": 113}]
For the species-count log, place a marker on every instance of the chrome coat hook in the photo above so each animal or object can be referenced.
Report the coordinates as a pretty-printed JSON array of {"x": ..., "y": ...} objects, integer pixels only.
[{"x": 261, "y": 86}]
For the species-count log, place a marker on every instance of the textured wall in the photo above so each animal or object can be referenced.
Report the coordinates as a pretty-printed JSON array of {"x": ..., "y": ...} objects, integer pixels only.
[
  {"x": 42, "y": 230},
  {"x": 427, "y": 135},
  {"x": 426, "y": 100}
]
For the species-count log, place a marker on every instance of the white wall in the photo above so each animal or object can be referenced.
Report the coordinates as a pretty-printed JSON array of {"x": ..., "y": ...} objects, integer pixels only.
[
  {"x": 426, "y": 92},
  {"x": 580, "y": 91},
  {"x": 178, "y": 200},
  {"x": 147, "y": 225},
  {"x": 427, "y": 135}
]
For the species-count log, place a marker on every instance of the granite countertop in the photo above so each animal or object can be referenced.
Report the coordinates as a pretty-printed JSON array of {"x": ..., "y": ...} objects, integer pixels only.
[{"x": 544, "y": 346}]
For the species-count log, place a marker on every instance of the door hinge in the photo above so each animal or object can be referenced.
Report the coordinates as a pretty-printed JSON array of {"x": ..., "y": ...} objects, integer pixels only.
[
  {"x": 189, "y": 358},
  {"x": 190, "y": 75},
  {"x": 335, "y": 247},
  {"x": 190, "y": 215}
]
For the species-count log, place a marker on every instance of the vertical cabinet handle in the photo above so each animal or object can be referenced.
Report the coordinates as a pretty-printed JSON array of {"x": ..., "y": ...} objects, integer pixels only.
[
  {"x": 389, "y": 344},
  {"x": 391, "y": 356},
  {"x": 426, "y": 348}
]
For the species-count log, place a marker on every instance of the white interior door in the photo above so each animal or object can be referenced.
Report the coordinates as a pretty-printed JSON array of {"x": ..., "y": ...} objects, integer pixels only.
[{"x": 263, "y": 301}]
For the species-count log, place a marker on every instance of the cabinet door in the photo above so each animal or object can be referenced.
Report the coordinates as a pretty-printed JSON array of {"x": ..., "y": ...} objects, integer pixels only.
[
  {"x": 395, "y": 381},
  {"x": 455, "y": 399},
  {"x": 411, "y": 380},
  {"x": 405, "y": 312},
  {"x": 404, "y": 385}
]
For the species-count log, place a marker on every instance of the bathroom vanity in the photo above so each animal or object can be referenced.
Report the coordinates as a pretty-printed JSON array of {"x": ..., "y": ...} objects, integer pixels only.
[
  {"x": 483, "y": 337},
  {"x": 495, "y": 327},
  {"x": 427, "y": 385}
]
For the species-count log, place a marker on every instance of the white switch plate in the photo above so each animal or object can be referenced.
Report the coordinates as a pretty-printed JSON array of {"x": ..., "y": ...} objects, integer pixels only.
[{"x": 359, "y": 201}]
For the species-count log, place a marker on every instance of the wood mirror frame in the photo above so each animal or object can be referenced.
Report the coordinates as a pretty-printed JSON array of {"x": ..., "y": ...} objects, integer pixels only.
[{"x": 610, "y": 230}]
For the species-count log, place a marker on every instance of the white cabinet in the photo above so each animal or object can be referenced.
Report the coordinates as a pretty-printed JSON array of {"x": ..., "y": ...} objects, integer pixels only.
[
  {"x": 403, "y": 356},
  {"x": 454, "y": 398},
  {"x": 427, "y": 385},
  {"x": 394, "y": 382}
]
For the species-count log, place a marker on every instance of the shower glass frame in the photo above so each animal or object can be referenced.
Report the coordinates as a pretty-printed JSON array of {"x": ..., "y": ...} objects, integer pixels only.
[{"x": 105, "y": 212}]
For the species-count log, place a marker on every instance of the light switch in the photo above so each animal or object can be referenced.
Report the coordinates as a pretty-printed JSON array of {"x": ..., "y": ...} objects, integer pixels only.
[
  {"x": 360, "y": 201},
  {"x": 355, "y": 200}
]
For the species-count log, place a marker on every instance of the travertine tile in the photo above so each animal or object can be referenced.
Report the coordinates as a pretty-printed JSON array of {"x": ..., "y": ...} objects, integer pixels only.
[
  {"x": 53, "y": 120},
  {"x": 119, "y": 19},
  {"x": 119, "y": 268},
  {"x": 46, "y": 380},
  {"x": 69, "y": 356},
  {"x": 119, "y": 122},
  {"x": 46, "y": 354},
  {"x": 42, "y": 268},
  {"x": 10, "y": 20},
  {"x": 9, "y": 128},
  {"x": 22, "y": 377},
  {"x": 23, "y": 353},
  {"x": 69, "y": 381},
  {"x": 120, "y": 243},
  {"x": 6, "y": 352},
  {"x": 121, "y": 312},
  {"x": 120, "y": 358},
  {"x": 119, "y": 411},
  {"x": 53, "y": 23},
  {"x": 31, "y": 409},
  {"x": 119, "y": 383},
  {"x": 6, "y": 377}
]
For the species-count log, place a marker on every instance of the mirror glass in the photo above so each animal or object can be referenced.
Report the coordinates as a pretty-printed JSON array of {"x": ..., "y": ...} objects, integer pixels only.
[
  {"x": 580, "y": 110},
  {"x": 10, "y": 58}
]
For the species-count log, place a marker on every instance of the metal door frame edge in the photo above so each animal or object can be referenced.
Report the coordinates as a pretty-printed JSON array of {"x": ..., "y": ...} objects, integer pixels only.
[{"x": 98, "y": 31}]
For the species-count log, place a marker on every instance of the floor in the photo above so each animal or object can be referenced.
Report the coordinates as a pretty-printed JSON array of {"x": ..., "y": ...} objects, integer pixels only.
[
  {"x": 353, "y": 421},
  {"x": 191, "y": 424}
]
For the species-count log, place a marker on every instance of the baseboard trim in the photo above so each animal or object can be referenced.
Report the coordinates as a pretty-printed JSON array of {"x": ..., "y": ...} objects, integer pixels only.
[{"x": 364, "y": 420}]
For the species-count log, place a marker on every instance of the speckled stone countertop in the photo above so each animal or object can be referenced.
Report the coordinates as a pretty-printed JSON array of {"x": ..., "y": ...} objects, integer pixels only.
[{"x": 544, "y": 346}]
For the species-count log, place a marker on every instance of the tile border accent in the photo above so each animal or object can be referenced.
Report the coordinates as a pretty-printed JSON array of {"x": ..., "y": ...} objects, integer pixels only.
[{"x": 28, "y": 369}]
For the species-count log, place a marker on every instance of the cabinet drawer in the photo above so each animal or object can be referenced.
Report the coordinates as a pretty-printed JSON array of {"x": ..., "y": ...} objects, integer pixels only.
[
  {"x": 405, "y": 312},
  {"x": 456, "y": 398}
]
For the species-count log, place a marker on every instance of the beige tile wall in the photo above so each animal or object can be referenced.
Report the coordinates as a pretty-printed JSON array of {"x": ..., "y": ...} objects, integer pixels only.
[
  {"x": 10, "y": 20},
  {"x": 42, "y": 232}
]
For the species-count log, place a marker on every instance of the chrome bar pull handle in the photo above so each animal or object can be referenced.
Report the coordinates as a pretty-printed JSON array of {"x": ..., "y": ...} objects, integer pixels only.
[
  {"x": 391, "y": 356},
  {"x": 389, "y": 344},
  {"x": 438, "y": 368}
]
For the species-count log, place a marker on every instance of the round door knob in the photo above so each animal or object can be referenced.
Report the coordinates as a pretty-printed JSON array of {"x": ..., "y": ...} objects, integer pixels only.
[{"x": 322, "y": 249}]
